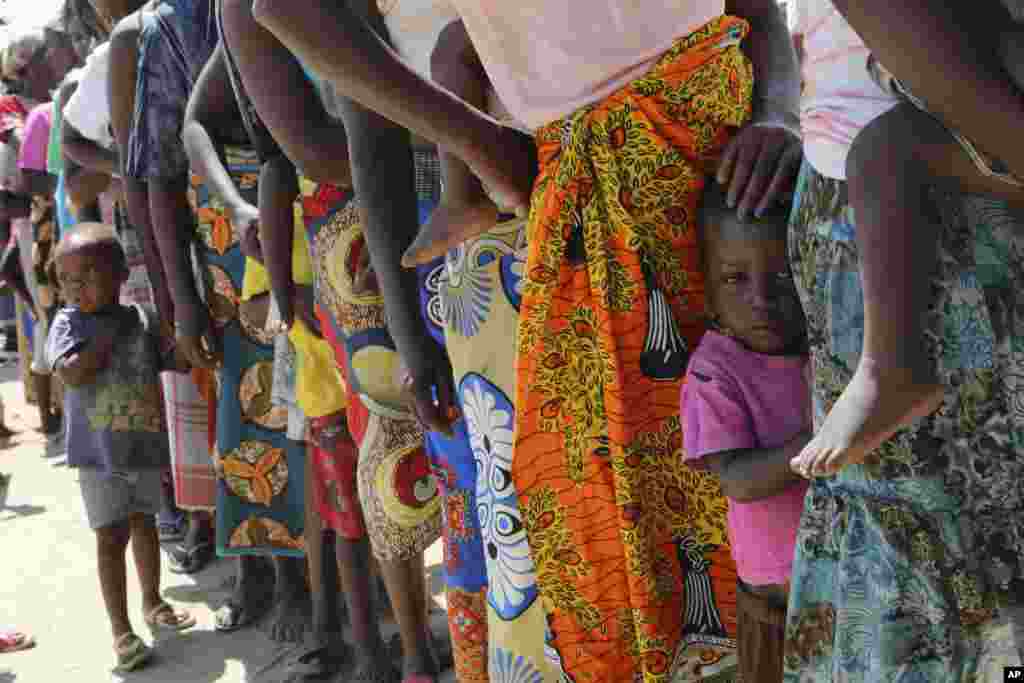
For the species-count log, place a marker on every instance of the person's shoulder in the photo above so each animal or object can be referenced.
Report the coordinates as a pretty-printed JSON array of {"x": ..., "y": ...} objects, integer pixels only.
[{"x": 715, "y": 357}]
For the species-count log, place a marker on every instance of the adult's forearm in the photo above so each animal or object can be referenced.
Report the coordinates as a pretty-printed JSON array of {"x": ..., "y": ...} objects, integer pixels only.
[
  {"x": 336, "y": 43},
  {"x": 172, "y": 230},
  {"x": 137, "y": 205},
  {"x": 776, "y": 70},
  {"x": 384, "y": 179},
  {"x": 278, "y": 189}
]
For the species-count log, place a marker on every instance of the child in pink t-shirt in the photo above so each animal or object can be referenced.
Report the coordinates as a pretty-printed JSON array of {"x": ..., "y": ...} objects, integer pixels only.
[{"x": 746, "y": 414}]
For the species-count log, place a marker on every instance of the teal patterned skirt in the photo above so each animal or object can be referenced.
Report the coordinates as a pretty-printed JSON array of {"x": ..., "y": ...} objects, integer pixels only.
[{"x": 910, "y": 567}]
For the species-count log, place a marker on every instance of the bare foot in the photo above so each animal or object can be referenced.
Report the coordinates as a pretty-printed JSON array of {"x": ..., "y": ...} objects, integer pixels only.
[
  {"x": 875, "y": 405},
  {"x": 292, "y": 614},
  {"x": 451, "y": 224}
]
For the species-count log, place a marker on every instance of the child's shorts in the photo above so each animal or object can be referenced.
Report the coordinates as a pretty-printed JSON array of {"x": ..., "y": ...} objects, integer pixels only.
[
  {"x": 760, "y": 637},
  {"x": 114, "y": 497}
]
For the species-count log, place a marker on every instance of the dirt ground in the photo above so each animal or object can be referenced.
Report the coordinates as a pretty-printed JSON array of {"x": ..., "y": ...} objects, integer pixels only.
[{"x": 48, "y": 585}]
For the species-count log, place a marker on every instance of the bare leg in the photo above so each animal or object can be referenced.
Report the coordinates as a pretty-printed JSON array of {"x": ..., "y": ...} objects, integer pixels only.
[
  {"x": 41, "y": 384},
  {"x": 292, "y": 609},
  {"x": 111, "y": 543},
  {"x": 407, "y": 589},
  {"x": 356, "y": 579},
  {"x": 894, "y": 383},
  {"x": 146, "y": 551}
]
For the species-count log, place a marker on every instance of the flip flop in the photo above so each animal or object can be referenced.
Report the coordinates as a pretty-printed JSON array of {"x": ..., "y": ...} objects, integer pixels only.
[
  {"x": 15, "y": 641},
  {"x": 171, "y": 531},
  {"x": 132, "y": 653},
  {"x": 231, "y": 617},
  {"x": 190, "y": 560},
  {"x": 164, "y": 618}
]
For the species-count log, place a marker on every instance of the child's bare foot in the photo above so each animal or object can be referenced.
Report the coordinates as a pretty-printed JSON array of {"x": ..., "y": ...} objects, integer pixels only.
[
  {"x": 451, "y": 224},
  {"x": 877, "y": 403}
]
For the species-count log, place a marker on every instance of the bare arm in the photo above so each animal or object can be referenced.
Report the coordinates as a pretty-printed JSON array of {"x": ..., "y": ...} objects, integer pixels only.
[
  {"x": 934, "y": 48},
  {"x": 211, "y": 108},
  {"x": 335, "y": 41},
  {"x": 756, "y": 473},
  {"x": 287, "y": 102},
  {"x": 121, "y": 89},
  {"x": 278, "y": 190}
]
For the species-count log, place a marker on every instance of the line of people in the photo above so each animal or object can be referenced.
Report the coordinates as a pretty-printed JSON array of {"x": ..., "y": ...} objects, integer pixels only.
[{"x": 670, "y": 422}]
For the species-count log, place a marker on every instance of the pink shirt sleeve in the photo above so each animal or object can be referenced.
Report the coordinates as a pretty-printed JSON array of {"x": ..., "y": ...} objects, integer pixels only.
[
  {"x": 715, "y": 418},
  {"x": 36, "y": 140}
]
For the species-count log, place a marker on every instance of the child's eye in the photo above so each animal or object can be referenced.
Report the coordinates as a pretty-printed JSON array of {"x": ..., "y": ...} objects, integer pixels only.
[{"x": 732, "y": 278}]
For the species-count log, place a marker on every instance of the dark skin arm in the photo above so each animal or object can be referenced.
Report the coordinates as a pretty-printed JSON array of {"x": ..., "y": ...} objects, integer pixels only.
[
  {"x": 80, "y": 149},
  {"x": 121, "y": 89},
  {"x": 963, "y": 82},
  {"x": 333, "y": 40},
  {"x": 279, "y": 187},
  {"x": 383, "y": 175},
  {"x": 756, "y": 473},
  {"x": 288, "y": 103},
  {"x": 291, "y": 109}
]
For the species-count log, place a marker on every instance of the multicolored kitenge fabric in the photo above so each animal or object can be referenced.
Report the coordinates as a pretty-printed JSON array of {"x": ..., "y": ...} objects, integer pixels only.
[
  {"x": 397, "y": 491},
  {"x": 497, "y": 621},
  {"x": 911, "y": 566},
  {"x": 632, "y": 558},
  {"x": 260, "y": 507}
]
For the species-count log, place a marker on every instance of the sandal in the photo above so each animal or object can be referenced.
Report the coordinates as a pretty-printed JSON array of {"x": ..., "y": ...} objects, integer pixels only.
[
  {"x": 15, "y": 641},
  {"x": 132, "y": 653},
  {"x": 231, "y": 617},
  {"x": 190, "y": 560},
  {"x": 164, "y": 618},
  {"x": 171, "y": 531}
]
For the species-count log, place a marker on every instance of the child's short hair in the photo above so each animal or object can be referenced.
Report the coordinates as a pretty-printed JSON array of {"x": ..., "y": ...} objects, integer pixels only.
[
  {"x": 97, "y": 237},
  {"x": 713, "y": 211}
]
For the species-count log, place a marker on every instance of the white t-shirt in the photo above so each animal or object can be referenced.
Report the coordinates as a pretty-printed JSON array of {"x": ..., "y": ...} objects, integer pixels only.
[
  {"x": 839, "y": 97},
  {"x": 88, "y": 110}
]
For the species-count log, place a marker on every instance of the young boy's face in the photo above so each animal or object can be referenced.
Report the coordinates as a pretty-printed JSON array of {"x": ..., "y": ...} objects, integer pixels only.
[
  {"x": 750, "y": 288},
  {"x": 89, "y": 279}
]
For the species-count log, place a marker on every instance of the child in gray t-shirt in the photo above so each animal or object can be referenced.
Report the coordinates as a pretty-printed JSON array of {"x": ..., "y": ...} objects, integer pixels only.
[{"x": 109, "y": 357}]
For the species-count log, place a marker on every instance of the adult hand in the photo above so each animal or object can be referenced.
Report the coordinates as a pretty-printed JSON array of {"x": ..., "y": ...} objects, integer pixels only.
[
  {"x": 430, "y": 388},
  {"x": 758, "y": 164},
  {"x": 195, "y": 337},
  {"x": 245, "y": 221}
]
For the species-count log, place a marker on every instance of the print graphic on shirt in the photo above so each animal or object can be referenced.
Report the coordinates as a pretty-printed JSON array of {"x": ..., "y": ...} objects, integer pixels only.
[
  {"x": 510, "y": 570},
  {"x": 127, "y": 407},
  {"x": 665, "y": 351},
  {"x": 255, "y": 471}
]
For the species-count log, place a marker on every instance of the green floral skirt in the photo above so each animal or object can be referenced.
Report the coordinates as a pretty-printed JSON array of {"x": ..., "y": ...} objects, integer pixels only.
[{"x": 911, "y": 566}]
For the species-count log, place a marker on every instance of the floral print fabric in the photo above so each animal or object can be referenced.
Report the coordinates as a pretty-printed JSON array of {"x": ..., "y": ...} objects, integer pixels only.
[
  {"x": 630, "y": 546},
  {"x": 909, "y": 567},
  {"x": 260, "y": 504}
]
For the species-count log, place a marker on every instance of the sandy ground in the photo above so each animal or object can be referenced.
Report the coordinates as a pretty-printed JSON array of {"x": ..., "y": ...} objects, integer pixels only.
[{"x": 48, "y": 585}]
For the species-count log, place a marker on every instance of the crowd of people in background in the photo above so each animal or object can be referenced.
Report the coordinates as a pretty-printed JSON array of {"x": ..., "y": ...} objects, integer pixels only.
[{"x": 689, "y": 328}]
